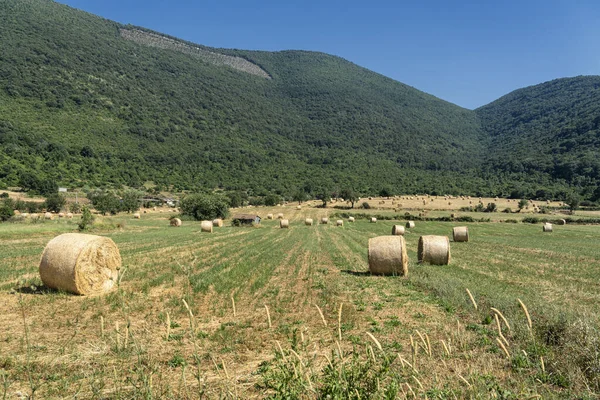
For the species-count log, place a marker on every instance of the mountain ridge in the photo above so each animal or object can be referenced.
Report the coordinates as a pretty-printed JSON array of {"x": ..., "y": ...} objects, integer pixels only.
[{"x": 80, "y": 105}]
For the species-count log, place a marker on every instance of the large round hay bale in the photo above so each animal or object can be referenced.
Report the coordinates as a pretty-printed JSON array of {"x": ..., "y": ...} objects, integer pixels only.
[
  {"x": 387, "y": 255},
  {"x": 397, "y": 230},
  {"x": 137, "y": 215},
  {"x": 284, "y": 223},
  {"x": 562, "y": 222},
  {"x": 434, "y": 250},
  {"x": 206, "y": 226},
  {"x": 339, "y": 222},
  {"x": 324, "y": 220},
  {"x": 298, "y": 207},
  {"x": 350, "y": 219},
  {"x": 547, "y": 227},
  {"x": 373, "y": 220},
  {"x": 217, "y": 222},
  {"x": 48, "y": 215},
  {"x": 269, "y": 216},
  {"x": 460, "y": 234},
  {"x": 175, "y": 222},
  {"x": 69, "y": 215},
  {"x": 61, "y": 215},
  {"x": 308, "y": 222},
  {"x": 280, "y": 216},
  {"x": 410, "y": 224},
  {"x": 80, "y": 263}
]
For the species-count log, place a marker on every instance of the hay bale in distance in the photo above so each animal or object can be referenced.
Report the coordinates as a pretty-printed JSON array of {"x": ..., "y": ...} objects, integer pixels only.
[
  {"x": 547, "y": 227},
  {"x": 308, "y": 222},
  {"x": 61, "y": 215},
  {"x": 269, "y": 216},
  {"x": 80, "y": 263},
  {"x": 175, "y": 222},
  {"x": 324, "y": 220},
  {"x": 280, "y": 216},
  {"x": 284, "y": 223},
  {"x": 460, "y": 234},
  {"x": 397, "y": 230},
  {"x": 298, "y": 207},
  {"x": 137, "y": 215},
  {"x": 206, "y": 226},
  {"x": 387, "y": 255},
  {"x": 218, "y": 222},
  {"x": 373, "y": 220},
  {"x": 410, "y": 224},
  {"x": 350, "y": 219},
  {"x": 339, "y": 222},
  {"x": 48, "y": 215},
  {"x": 69, "y": 215},
  {"x": 562, "y": 222},
  {"x": 434, "y": 250}
]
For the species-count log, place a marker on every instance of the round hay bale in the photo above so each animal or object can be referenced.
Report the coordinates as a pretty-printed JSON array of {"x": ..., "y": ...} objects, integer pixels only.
[
  {"x": 137, "y": 216},
  {"x": 61, "y": 215},
  {"x": 206, "y": 226},
  {"x": 434, "y": 250},
  {"x": 280, "y": 216},
  {"x": 153, "y": 208},
  {"x": 460, "y": 234},
  {"x": 350, "y": 219},
  {"x": 373, "y": 220},
  {"x": 80, "y": 263},
  {"x": 308, "y": 222},
  {"x": 397, "y": 230},
  {"x": 298, "y": 207},
  {"x": 324, "y": 220},
  {"x": 339, "y": 222},
  {"x": 145, "y": 211},
  {"x": 410, "y": 224},
  {"x": 16, "y": 212},
  {"x": 269, "y": 216},
  {"x": 387, "y": 255},
  {"x": 284, "y": 223},
  {"x": 217, "y": 222},
  {"x": 69, "y": 215},
  {"x": 175, "y": 222},
  {"x": 48, "y": 215},
  {"x": 547, "y": 227},
  {"x": 452, "y": 215},
  {"x": 562, "y": 222},
  {"x": 24, "y": 215}
]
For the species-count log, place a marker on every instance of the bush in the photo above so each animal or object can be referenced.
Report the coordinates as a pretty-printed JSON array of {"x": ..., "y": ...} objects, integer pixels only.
[
  {"x": 105, "y": 202},
  {"x": 55, "y": 202},
  {"x": 205, "y": 206},
  {"x": 491, "y": 207},
  {"x": 6, "y": 211},
  {"x": 87, "y": 219},
  {"x": 507, "y": 210},
  {"x": 365, "y": 205},
  {"x": 271, "y": 200}
]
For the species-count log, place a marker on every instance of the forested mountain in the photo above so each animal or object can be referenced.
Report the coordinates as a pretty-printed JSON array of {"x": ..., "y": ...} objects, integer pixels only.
[
  {"x": 88, "y": 101},
  {"x": 548, "y": 130}
]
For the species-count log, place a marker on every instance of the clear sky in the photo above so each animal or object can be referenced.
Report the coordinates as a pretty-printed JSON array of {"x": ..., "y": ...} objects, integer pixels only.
[{"x": 468, "y": 52}]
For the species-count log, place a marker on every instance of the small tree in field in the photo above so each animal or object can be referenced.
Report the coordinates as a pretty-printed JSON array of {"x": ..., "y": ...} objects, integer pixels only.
[
  {"x": 349, "y": 195},
  {"x": 205, "y": 206}
]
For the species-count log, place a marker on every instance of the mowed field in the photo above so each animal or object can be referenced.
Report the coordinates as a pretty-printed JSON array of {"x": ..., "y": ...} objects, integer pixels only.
[{"x": 293, "y": 313}]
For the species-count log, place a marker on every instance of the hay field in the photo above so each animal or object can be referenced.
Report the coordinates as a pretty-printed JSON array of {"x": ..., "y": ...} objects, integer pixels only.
[{"x": 253, "y": 312}]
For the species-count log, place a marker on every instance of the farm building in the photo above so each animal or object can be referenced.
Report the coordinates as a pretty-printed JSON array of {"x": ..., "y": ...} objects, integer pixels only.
[{"x": 245, "y": 219}]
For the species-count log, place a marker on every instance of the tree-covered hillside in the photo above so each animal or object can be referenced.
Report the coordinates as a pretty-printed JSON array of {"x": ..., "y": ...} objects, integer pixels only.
[
  {"x": 80, "y": 104},
  {"x": 88, "y": 101},
  {"x": 548, "y": 130}
]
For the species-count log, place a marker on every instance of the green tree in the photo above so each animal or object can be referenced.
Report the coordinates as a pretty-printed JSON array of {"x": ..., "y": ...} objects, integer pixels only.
[
  {"x": 205, "y": 206},
  {"x": 522, "y": 204},
  {"x": 6, "y": 210},
  {"x": 299, "y": 196},
  {"x": 104, "y": 201},
  {"x": 272, "y": 199},
  {"x": 573, "y": 202},
  {"x": 87, "y": 219},
  {"x": 55, "y": 202},
  {"x": 130, "y": 200},
  {"x": 349, "y": 195}
]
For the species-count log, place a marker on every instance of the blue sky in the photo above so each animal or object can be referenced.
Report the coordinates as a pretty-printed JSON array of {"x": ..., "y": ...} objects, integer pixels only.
[{"x": 466, "y": 52}]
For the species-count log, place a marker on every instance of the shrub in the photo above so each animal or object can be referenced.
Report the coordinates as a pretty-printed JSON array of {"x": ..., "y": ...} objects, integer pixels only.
[
  {"x": 507, "y": 210},
  {"x": 6, "y": 211},
  {"x": 365, "y": 205},
  {"x": 55, "y": 202},
  {"x": 87, "y": 219},
  {"x": 491, "y": 207},
  {"x": 205, "y": 206}
]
